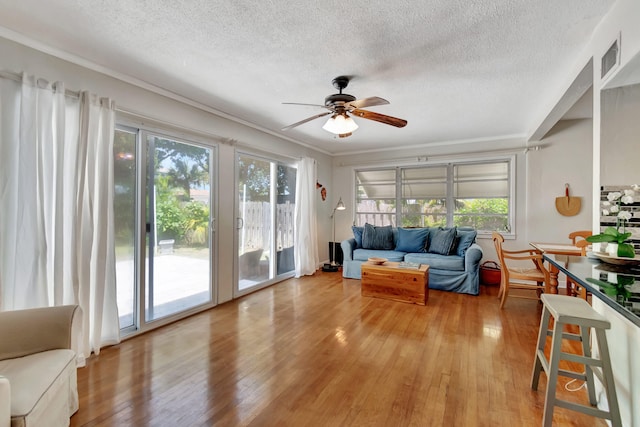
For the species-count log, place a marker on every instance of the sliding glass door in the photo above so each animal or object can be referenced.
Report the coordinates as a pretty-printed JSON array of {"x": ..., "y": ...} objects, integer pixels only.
[
  {"x": 254, "y": 222},
  {"x": 163, "y": 216},
  {"x": 178, "y": 217},
  {"x": 265, "y": 221}
]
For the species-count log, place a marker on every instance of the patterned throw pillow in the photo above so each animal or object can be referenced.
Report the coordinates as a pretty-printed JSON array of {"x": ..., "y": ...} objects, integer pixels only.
[
  {"x": 377, "y": 237},
  {"x": 442, "y": 241}
]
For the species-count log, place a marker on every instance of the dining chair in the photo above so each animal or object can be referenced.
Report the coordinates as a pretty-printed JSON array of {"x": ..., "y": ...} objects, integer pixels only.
[
  {"x": 515, "y": 277},
  {"x": 579, "y": 235},
  {"x": 582, "y": 244}
]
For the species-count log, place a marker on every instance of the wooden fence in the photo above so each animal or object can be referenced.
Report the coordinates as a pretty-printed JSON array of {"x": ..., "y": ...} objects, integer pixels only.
[{"x": 256, "y": 231}]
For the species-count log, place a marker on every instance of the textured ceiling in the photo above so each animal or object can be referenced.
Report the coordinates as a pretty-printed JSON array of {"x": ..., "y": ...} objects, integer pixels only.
[{"x": 456, "y": 70}]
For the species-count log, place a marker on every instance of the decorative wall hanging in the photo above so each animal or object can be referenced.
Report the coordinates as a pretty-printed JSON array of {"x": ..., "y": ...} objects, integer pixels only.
[
  {"x": 568, "y": 205},
  {"x": 323, "y": 191}
]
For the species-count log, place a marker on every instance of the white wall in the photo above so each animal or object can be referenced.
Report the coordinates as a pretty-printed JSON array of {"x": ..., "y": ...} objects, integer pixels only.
[
  {"x": 620, "y": 140},
  {"x": 566, "y": 157},
  {"x": 18, "y": 58}
]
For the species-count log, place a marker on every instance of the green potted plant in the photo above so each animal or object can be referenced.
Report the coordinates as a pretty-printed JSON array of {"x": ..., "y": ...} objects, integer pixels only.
[{"x": 615, "y": 239}]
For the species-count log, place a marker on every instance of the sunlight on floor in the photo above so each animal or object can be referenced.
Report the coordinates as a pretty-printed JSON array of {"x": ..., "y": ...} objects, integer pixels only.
[{"x": 180, "y": 282}]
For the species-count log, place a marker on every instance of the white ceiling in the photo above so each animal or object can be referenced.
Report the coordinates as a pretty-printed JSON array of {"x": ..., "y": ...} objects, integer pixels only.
[{"x": 456, "y": 70}]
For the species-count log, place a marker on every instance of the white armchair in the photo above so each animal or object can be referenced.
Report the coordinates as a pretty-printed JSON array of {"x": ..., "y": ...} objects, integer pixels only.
[
  {"x": 5, "y": 402},
  {"x": 38, "y": 382}
]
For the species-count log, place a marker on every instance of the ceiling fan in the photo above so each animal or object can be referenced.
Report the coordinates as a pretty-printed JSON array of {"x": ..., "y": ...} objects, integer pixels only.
[{"x": 342, "y": 106}]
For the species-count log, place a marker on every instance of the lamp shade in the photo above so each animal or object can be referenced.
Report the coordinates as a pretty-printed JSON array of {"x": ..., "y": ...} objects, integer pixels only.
[
  {"x": 340, "y": 124},
  {"x": 340, "y": 205}
]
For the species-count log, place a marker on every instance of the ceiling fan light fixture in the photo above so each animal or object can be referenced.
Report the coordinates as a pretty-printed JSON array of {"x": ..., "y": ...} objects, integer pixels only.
[
  {"x": 341, "y": 125},
  {"x": 341, "y": 105}
]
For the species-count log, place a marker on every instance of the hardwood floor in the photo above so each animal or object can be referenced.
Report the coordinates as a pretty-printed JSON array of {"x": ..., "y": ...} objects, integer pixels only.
[{"x": 313, "y": 352}]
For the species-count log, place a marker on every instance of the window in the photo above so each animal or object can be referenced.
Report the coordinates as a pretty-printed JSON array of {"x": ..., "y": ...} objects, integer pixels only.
[
  {"x": 424, "y": 196},
  {"x": 376, "y": 197},
  {"x": 474, "y": 195},
  {"x": 481, "y": 196}
]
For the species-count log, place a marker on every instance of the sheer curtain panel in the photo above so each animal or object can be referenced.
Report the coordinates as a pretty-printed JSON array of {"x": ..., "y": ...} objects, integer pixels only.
[
  {"x": 306, "y": 238},
  {"x": 56, "y": 199}
]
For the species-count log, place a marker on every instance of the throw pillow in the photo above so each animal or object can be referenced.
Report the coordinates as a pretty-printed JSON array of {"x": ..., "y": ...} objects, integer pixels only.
[
  {"x": 442, "y": 240},
  {"x": 412, "y": 239},
  {"x": 377, "y": 237},
  {"x": 465, "y": 239},
  {"x": 357, "y": 235}
]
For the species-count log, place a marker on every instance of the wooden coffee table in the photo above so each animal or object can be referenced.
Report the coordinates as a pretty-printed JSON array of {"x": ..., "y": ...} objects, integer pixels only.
[{"x": 399, "y": 284}]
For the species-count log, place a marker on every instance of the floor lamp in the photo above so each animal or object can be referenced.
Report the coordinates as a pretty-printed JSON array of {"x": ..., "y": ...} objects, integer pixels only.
[{"x": 333, "y": 267}]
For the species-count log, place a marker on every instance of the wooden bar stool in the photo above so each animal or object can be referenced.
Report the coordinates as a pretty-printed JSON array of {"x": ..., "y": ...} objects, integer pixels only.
[{"x": 574, "y": 311}]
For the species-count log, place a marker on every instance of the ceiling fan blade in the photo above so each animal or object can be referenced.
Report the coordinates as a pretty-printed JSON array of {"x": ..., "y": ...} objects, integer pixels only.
[
  {"x": 307, "y": 105},
  {"x": 366, "y": 102},
  {"x": 305, "y": 120},
  {"x": 393, "y": 121}
]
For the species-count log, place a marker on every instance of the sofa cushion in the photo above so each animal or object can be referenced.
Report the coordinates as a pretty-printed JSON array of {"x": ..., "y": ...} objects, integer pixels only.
[
  {"x": 43, "y": 387},
  {"x": 465, "y": 238},
  {"x": 357, "y": 235},
  {"x": 377, "y": 237},
  {"x": 442, "y": 240},
  {"x": 412, "y": 239},
  {"x": 437, "y": 261},
  {"x": 365, "y": 254}
]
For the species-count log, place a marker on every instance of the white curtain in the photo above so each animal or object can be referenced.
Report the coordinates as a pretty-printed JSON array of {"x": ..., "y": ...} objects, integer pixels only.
[
  {"x": 306, "y": 238},
  {"x": 56, "y": 194}
]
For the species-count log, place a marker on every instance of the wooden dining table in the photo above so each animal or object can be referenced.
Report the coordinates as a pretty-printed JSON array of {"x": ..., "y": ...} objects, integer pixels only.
[{"x": 558, "y": 249}]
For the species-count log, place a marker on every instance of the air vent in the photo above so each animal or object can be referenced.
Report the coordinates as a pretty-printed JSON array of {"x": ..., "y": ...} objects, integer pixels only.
[{"x": 611, "y": 58}]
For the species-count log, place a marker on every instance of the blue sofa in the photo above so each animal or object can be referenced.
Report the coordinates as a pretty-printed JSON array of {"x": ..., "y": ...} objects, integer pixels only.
[{"x": 453, "y": 265}]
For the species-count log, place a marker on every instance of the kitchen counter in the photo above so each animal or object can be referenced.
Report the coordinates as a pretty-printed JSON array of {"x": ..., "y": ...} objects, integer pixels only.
[
  {"x": 616, "y": 295},
  {"x": 617, "y": 286}
]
